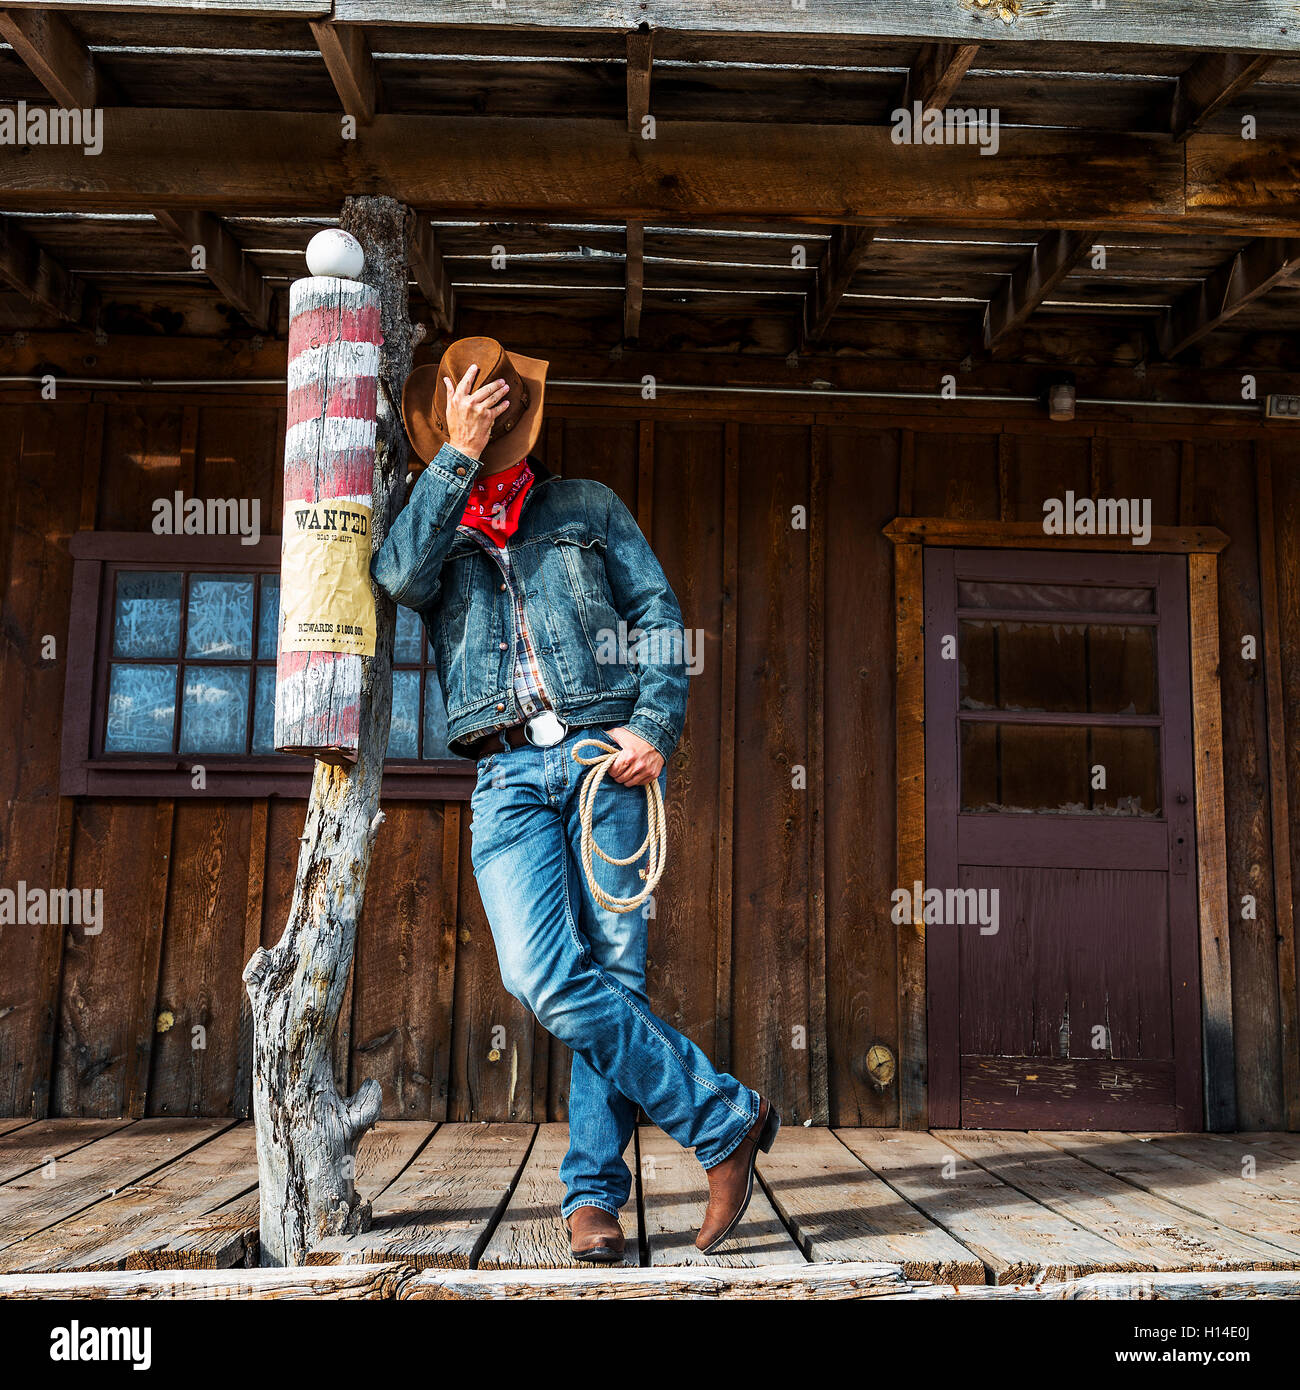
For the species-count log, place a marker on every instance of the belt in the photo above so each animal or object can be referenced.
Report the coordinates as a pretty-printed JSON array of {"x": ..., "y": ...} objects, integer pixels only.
[{"x": 516, "y": 736}]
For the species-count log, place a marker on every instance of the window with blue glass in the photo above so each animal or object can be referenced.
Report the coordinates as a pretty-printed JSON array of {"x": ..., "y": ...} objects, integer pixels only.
[{"x": 191, "y": 669}]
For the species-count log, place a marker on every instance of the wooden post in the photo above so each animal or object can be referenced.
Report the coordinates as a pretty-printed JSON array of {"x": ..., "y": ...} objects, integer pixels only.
[{"x": 307, "y": 1133}]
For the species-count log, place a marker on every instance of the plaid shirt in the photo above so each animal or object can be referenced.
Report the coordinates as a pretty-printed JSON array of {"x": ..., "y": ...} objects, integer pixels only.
[{"x": 530, "y": 692}]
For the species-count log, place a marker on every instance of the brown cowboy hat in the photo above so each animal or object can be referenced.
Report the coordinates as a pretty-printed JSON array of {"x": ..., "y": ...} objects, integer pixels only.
[{"x": 514, "y": 431}]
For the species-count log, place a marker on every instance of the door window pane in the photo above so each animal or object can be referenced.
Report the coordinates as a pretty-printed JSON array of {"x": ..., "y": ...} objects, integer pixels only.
[
  {"x": 141, "y": 709},
  {"x": 214, "y": 711},
  {"x": 1066, "y": 668},
  {"x": 147, "y": 614},
  {"x": 219, "y": 620},
  {"x": 1065, "y": 598},
  {"x": 1050, "y": 768}
]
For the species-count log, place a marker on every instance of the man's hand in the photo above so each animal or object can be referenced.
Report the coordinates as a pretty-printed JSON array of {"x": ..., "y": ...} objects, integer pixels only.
[
  {"x": 470, "y": 413},
  {"x": 639, "y": 762}
]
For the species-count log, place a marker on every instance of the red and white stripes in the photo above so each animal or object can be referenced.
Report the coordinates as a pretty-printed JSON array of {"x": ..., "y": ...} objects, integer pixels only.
[{"x": 329, "y": 455}]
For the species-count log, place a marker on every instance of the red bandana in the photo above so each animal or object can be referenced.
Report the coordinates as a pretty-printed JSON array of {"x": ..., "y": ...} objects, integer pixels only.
[{"x": 496, "y": 501}]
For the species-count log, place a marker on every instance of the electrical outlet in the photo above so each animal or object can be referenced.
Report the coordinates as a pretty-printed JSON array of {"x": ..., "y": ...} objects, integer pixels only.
[{"x": 1282, "y": 407}]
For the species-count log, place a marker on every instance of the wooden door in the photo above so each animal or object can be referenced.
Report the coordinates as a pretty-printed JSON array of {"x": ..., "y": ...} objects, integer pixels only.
[{"x": 1059, "y": 781}]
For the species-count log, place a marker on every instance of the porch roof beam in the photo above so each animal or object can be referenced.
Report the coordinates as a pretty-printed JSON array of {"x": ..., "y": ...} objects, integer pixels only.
[
  {"x": 839, "y": 263},
  {"x": 1210, "y": 84},
  {"x": 1252, "y": 272},
  {"x": 351, "y": 67},
  {"x": 56, "y": 56},
  {"x": 275, "y": 162},
  {"x": 40, "y": 278},
  {"x": 1242, "y": 25},
  {"x": 1032, "y": 281},
  {"x": 430, "y": 272},
  {"x": 225, "y": 263}
]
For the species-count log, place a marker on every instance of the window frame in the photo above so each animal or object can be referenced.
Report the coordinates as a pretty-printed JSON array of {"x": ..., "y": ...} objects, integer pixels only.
[{"x": 85, "y": 771}]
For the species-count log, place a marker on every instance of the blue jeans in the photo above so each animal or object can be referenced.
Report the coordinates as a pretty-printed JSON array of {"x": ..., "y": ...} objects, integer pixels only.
[{"x": 581, "y": 969}]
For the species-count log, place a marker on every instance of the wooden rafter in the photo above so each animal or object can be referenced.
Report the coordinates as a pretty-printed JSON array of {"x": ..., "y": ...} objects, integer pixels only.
[
  {"x": 640, "y": 59},
  {"x": 1253, "y": 271},
  {"x": 225, "y": 263},
  {"x": 351, "y": 67},
  {"x": 63, "y": 65},
  {"x": 1211, "y": 83},
  {"x": 839, "y": 263},
  {"x": 936, "y": 74},
  {"x": 1030, "y": 283},
  {"x": 426, "y": 264},
  {"x": 39, "y": 277},
  {"x": 635, "y": 281}
]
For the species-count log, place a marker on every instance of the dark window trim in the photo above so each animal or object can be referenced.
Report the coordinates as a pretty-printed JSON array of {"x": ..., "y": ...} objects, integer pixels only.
[{"x": 95, "y": 555}]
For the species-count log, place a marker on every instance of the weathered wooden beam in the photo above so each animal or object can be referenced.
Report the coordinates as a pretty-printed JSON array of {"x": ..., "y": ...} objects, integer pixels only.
[
  {"x": 844, "y": 253},
  {"x": 259, "y": 161},
  {"x": 351, "y": 67},
  {"x": 1253, "y": 271},
  {"x": 430, "y": 273},
  {"x": 1244, "y": 25},
  {"x": 39, "y": 277},
  {"x": 1037, "y": 275},
  {"x": 634, "y": 275},
  {"x": 54, "y": 52},
  {"x": 1209, "y": 84},
  {"x": 223, "y": 262},
  {"x": 936, "y": 74},
  {"x": 640, "y": 58}
]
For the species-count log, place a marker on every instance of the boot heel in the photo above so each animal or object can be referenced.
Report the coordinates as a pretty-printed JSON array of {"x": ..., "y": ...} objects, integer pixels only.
[{"x": 770, "y": 1130}]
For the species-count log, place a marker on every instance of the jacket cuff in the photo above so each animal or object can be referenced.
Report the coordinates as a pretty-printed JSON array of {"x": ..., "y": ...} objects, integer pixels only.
[
  {"x": 660, "y": 737},
  {"x": 449, "y": 459}
]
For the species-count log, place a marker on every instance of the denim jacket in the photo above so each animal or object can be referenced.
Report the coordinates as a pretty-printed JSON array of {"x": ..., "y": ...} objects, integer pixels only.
[{"x": 584, "y": 567}]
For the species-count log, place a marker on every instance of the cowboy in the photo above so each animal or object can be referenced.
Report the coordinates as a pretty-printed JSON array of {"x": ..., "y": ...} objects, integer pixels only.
[{"x": 515, "y": 573}]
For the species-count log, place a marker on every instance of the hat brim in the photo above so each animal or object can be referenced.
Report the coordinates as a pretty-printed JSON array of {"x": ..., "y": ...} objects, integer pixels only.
[{"x": 426, "y": 438}]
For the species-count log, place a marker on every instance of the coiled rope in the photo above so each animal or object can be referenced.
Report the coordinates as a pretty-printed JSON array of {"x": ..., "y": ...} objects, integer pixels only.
[{"x": 655, "y": 844}]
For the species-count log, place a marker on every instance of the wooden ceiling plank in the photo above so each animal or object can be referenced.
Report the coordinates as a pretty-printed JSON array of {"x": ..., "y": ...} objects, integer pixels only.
[
  {"x": 936, "y": 74},
  {"x": 1244, "y": 25},
  {"x": 1214, "y": 80},
  {"x": 634, "y": 281},
  {"x": 1252, "y": 272},
  {"x": 840, "y": 260},
  {"x": 50, "y": 47},
  {"x": 351, "y": 67},
  {"x": 225, "y": 263},
  {"x": 1032, "y": 281},
  {"x": 430, "y": 272},
  {"x": 640, "y": 59},
  {"x": 40, "y": 278}
]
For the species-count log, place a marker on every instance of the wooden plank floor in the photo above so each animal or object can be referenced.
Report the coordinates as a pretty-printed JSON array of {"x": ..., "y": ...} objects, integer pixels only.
[{"x": 962, "y": 1207}]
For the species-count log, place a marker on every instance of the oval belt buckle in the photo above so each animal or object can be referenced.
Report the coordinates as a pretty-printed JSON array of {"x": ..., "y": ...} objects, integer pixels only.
[{"x": 545, "y": 730}]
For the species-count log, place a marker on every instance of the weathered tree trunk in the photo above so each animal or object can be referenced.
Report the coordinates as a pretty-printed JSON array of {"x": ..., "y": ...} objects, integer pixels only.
[{"x": 307, "y": 1133}]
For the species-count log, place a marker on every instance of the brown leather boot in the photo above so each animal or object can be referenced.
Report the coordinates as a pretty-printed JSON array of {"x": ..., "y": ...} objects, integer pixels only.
[
  {"x": 731, "y": 1182},
  {"x": 595, "y": 1236}
]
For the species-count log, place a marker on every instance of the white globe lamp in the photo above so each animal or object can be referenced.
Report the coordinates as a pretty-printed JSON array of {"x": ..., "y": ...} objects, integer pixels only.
[{"x": 335, "y": 252}]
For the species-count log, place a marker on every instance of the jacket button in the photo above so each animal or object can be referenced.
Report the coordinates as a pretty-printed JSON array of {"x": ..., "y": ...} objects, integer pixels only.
[
  {"x": 500, "y": 707},
  {"x": 503, "y": 646},
  {"x": 503, "y": 588}
]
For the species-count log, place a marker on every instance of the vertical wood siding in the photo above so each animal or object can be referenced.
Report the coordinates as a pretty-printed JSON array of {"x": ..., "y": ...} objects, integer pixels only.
[{"x": 772, "y": 943}]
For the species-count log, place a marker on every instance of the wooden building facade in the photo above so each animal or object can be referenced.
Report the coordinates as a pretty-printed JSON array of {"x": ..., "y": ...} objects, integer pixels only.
[{"x": 832, "y": 429}]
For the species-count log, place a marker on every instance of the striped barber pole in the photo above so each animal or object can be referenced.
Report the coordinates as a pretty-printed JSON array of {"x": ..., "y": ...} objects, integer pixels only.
[{"x": 329, "y": 455}]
